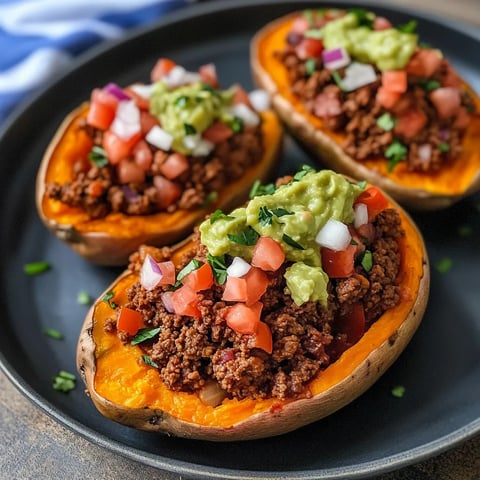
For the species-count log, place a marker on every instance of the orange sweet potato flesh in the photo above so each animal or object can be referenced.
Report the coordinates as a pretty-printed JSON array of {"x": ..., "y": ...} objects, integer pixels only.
[
  {"x": 413, "y": 189},
  {"x": 127, "y": 391},
  {"x": 110, "y": 240}
]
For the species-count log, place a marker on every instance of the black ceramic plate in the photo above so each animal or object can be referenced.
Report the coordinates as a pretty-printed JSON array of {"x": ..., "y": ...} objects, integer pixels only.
[{"x": 378, "y": 432}]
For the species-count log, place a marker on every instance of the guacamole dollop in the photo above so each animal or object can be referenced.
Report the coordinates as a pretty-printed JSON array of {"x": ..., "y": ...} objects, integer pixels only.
[
  {"x": 388, "y": 49},
  {"x": 292, "y": 215},
  {"x": 189, "y": 109}
]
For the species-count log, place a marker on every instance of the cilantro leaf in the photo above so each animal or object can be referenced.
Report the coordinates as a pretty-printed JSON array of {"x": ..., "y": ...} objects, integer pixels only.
[
  {"x": 247, "y": 237},
  {"x": 443, "y": 147},
  {"x": 189, "y": 129},
  {"x": 64, "y": 381},
  {"x": 398, "y": 391},
  {"x": 444, "y": 265},
  {"x": 386, "y": 121},
  {"x": 148, "y": 361},
  {"x": 108, "y": 298},
  {"x": 83, "y": 298},
  {"x": 302, "y": 172},
  {"x": 396, "y": 152},
  {"x": 218, "y": 214},
  {"x": 144, "y": 334},
  {"x": 290, "y": 241},
  {"x": 409, "y": 27},
  {"x": 34, "y": 268},
  {"x": 219, "y": 268},
  {"x": 367, "y": 260},
  {"x": 192, "y": 265},
  {"x": 364, "y": 17},
  {"x": 98, "y": 157},
  {"x": 259, "y": 189},
  {"x": 310, "y": 66},
  {"x": 52, "y": 333},
  {"x": 429, "y": 85}
]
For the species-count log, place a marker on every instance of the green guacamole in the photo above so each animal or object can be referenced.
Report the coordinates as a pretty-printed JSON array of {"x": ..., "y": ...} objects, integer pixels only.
[
  {"x": 388, "y": 49},
  {"x": 189, "y": 109},
  {"x": 292, "y": 215}
]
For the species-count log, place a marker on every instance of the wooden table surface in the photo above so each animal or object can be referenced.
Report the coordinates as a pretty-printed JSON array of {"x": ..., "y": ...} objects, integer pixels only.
[{"x": 34, "y": 446}]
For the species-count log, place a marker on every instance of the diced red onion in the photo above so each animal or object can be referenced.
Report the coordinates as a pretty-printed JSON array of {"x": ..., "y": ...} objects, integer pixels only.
[
  {"x": 335, "y": 58},
  {"x": 198, "y": 146},
  {"x": 444, "y": 134},
  {"x": 260, "y": 100},
  {"x": 159, "y": 138},
  {"x": 238, "y": 268},
  {"x": 424, "y": 152},
  {"x": 334, "y": 235},
  {"x": 150, "y": 273},
  {"x": 166, "y": 298},
  {"x": 116, "y": 91},
  {"x": 358, "y": 75},
  {"x": 361, "y": 215},
  {"x": 144, "y": 91},
  {"x": 178, "y": 76},
  {"x": 129, "y": 194},
  {"x": 246, "y": 114},
  {"x": 126, "y": 123}
]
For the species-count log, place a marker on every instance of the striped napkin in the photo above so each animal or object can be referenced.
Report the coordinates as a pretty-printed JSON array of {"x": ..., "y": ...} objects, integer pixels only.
[{"x": 40, "y": 38}]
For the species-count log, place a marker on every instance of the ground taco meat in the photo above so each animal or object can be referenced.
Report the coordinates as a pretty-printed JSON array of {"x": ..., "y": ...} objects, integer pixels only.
[
  {"x": 192, "y": 352},
  {"x": 98, "y": 191}
]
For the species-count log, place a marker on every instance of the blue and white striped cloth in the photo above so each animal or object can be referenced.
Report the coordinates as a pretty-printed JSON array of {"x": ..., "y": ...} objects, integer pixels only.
[{"x": 40, "y": 38}]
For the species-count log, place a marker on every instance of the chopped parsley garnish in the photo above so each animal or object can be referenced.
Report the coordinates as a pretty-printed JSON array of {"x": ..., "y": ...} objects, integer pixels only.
[
  {"x": 265, "y": 214},
  {"x": 52, "y": 333},
  {"x": 444, "y": 265},
  {"x": 98, "y": 157},
  {"x": 443, "y": 147},
  {"x": 310, "y": 66},
  {"x": 108, "y": 298},
  {"x": 236, "y": 125},
  {"x": 409, "y": 27},
  {"x": 367, "y": 260},
  {"x": 396, "y": 152},
  {"x": 398, "y": 391},
  {"x": 337, "y": 79},
  {"x": 364, "y": 17},
  {"x": 144, "y": 334},
  {"x": 34, "y": 268},
  {"x": 362, "y": 184},
  {"x": 64, "y": 381},
  {"x": 83, "y": 298},
  {"x": 192, "y": 265},
  {"x": 259, "y": 189},
  {"x": 386, "y": 121},
  {"x": 181, "y": 101},
  {"x": 429, "y": 85},
  {"x": 218, "y": 214},
  {"x": 219, "y": 268},
  {"x": 148, "y": 361},
  {"x": 302, "y": 172},
  {"x": 290, "y": 241},
  {"x": 189, "y": 129},
  {"x": 247, "y": 237}
]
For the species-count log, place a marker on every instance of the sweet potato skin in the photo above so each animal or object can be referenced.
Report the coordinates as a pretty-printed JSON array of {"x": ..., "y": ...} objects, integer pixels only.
[
  {"x": 413, "y": 190},
  {"x": 144, "y": 402}
]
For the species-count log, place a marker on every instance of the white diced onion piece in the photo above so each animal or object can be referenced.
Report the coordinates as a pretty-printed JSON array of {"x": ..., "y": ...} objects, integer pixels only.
[
  {"x": 159, "y": 138},
  {"x": 198, "y": 146},
  {"x": 238, "y": 268},
  {"x": 126, "y": 123},
  {"x": 361, "y": 215},
  {"x": 260, "y": 100},
  {"x": 246, "y": 114},
  {"x": 334, "y": 235},
  {"x": 358, "y": 75},
  {"x": 150, "y": 273},
  {"x": 144, "y": 91}
]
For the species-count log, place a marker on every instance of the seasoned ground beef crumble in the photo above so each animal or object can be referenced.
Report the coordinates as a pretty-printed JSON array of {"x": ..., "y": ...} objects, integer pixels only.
[{"x": 190, "y": 352}]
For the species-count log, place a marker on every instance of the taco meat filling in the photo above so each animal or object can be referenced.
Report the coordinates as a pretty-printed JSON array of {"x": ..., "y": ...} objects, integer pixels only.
[
  {"x": 415, "y": 113},
  {"x": 193, "y": 353}
]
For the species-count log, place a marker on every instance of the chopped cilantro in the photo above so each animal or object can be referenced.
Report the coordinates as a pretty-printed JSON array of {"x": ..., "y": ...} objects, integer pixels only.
[
  {"x": 367, "y": 260},
  {"x": 219, "y": 268},
  {"x": 290, "y": 241},
  {"x": 218, "y": 214},
  {"x": 52, "y": 333},
  {"x": 64, "y": 381},
  {"x": 398, "y": 391},
  {"x": 386, "y": 121},
  {"x": 302, "y": 172},
  {"x": 362, "y": 184},
  {"x": 108, "y": 298},
  {"x": 429, "y": 84},
  {"x": 310, "y": 66},
  {"x": 181, "y": 101},
  {"x": 444, "y": 265},
  {"x": 409, "y": 27},
  {"x": 192, "y": 265},
  {"x": 83, "y": 298},
  {"x": 265, "y": 215},
  {"x": 364, "y": 17},
  {"x": 236, "y": 125},
  {"x": 258, "y": 189},
  {"x": 210, "y": 198},
  {"x": 148, "y": 361},
  {"x": 247, "y": 237},
  {"x": 34, "y": 268},
  {"x": 443, "y": 147},
  {"x": 189, "y": 129},
  {"x": 396, "y": 152},
  {"x": 98, "y": 157},
  {"x": 144, "y": 334},
  {"x": 337, "y": 79}
]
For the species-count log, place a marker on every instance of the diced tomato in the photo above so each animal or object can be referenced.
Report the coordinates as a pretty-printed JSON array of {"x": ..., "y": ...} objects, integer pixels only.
[
  {"x": 352, "y": 323},
  {"x": 102, "y": 109},
  {"x": 244, "y": 318},
  {"x": 117, "y": 148},
  {"x": 208, "y": 75},
  {"x": 424, "y": 63},
  {"x": 147, "y": 121},
  {"x": 168, "y": 272},
  {"x": 338, "y": 263},
  {"x": 262, "y": 338},
  {"x": 300, "y": 25},
  {"x": 142, "y": 155},
  {"x": 199, "y": 279},
  {"x": 268, "y": 254},
  {"x": 387, "y": 98},
  {"x": 95, "y": 188},
  {"x": 249, "y": 288},
  {"x": 375, "y": 201},
  {"x": 217, "y": 132},
  {"x": 130, "y": 172},
  {"x": 241, "y": 96},
  {"x": 447, "y": 101},
  {"x": 174, "y": 165},
  {"x": 410, "y": 123},
  {"x": 167, "y": 191},
  {"x": 185, "y": 301},
  {"x": 381, "y": 23},
  {"x": 161, "y": 68},
  {"x": 142, "y": 103},
  {"x": 129, "y": 321},
  {"x": 309, "y": 48},
  {"x": 395, "y": 80}
]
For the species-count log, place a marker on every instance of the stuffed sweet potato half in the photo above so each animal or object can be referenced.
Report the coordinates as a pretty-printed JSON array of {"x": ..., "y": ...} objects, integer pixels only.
[
  {"x": 371, "y": 101},
  {"x": 270, "y": 317},
  {"x": 145, "y": 163}
]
